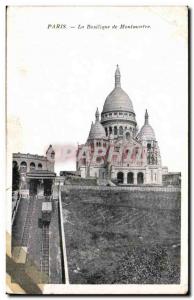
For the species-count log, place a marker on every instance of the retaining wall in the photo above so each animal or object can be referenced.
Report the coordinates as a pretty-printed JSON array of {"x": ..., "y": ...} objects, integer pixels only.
[{"x": 123, "y": 188}]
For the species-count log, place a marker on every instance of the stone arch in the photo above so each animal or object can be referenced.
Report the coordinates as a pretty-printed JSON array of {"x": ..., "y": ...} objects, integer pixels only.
[
  {"x": 40, "y": 166},
  {"x": 98, "y": 159},
  {"x": 32, "y": 166},
  {"x": 127, "y": 135},
  {"x": 121, "y": 130},
  {"x": 23, "y": 166},
  {"x": 130, "y": 178},
  {"x": 115, "y": 130},
  {"x": 140, "y": 178},
  {"x": 120, "y": 177}
]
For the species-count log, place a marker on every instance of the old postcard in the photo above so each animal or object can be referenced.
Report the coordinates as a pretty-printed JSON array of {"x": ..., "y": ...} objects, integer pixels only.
[{"x": 97, "y": 150}]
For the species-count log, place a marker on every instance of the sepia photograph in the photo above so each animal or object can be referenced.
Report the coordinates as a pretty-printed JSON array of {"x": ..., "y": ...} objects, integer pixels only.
[{"x": 97, "y": 150}]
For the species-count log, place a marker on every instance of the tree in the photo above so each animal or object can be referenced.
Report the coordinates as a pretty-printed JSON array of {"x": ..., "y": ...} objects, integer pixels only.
[{"x": 15, "y": 177}]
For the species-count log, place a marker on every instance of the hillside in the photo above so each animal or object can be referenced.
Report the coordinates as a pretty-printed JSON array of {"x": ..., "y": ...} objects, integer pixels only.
[{"x": 122, "y": 237}]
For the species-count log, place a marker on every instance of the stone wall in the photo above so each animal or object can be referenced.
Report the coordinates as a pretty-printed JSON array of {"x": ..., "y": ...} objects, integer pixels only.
[
  {"x": 139, "y": 197},
  {"x": 124, "y": 188},
  {"x": 40, "y": 162},
  {"x": 171, "y": 178}
]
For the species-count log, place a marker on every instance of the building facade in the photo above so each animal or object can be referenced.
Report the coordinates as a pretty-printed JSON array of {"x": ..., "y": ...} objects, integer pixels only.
[
  {"x": 36, "y": 172},
  {"x": 116, "y": 149}
]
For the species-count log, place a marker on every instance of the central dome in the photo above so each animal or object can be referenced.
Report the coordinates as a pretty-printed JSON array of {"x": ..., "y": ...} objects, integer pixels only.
[{"x": 118, "y": 100}]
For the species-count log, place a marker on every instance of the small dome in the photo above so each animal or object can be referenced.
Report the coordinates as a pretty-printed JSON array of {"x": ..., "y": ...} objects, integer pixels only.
[
  {"x": 97, "y": 130},
  {"x": 146, "y": 132},
  {"x": 118, "y": 100}
]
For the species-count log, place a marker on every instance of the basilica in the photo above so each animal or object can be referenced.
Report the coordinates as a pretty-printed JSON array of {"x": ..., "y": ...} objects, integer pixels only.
[{"x": 115, "y": 150}]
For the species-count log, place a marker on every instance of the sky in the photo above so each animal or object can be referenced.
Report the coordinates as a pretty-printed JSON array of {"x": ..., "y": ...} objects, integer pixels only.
[{"x": 57, "y": 77}]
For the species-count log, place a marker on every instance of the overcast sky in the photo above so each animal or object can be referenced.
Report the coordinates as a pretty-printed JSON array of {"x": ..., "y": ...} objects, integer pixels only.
[{"x": 58, "y": 77}]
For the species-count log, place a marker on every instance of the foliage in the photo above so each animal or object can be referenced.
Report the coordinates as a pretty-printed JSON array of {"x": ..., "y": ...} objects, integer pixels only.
[{"x": 15, "y": 178}]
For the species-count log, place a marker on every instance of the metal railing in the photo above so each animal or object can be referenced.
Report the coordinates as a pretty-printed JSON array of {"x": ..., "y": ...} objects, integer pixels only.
[{"x": 15, "y": 208}]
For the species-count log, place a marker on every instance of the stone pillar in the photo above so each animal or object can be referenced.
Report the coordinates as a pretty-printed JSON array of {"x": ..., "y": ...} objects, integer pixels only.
[
  {"x": 135, "y": 177},
  {"x": 83, "y": 172},
  {"x": 40, "y": 188},
  {"x": 159, "y": 176},
  {"x": 125, "y": 178},
  {"x": 147, "y": 176}
]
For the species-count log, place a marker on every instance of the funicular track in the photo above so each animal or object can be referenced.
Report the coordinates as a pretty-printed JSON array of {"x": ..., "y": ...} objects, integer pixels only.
[
  {"x": 28, "y": 222},
  {"x": 45, "y": 249}
]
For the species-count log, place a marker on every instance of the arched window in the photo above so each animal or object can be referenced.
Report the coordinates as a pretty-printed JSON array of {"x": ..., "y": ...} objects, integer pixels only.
[
  {"x": 130, "y": 178},
  {"x": 115, "y": 130},
  {"x": 120, "y": 130},
  {"x": 106, "y": 131},
  {"x": 98, "y": 159},
  {"x": 140, "y": 178},
  {"x": 99, "y": 144},
  {"x": 23, "y": 166},
  {"x": 120, "y": 177},
  {"x": 32, "y": 166},
  {"x": 40, "y": 166},
  {"x": 127, "y": 135},
  {"x": 110, "y": 130}
]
